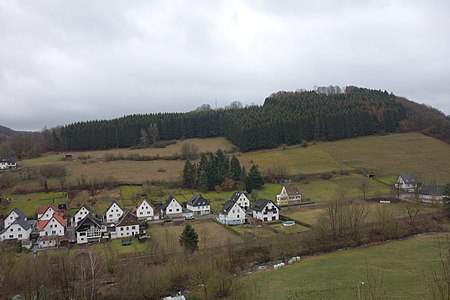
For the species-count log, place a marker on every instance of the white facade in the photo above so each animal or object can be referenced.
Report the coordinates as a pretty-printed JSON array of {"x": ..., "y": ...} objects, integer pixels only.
[
  {"x": 47, "y": 215},
  {"x": 125, "y": 231},
  {"x": 80, "y": 215},
  {"x": 235, "y": 216},
  {"x": 15, "y": 231},
  {"x": 409, "y": 186},
  {"x": 10, "y": 218},
  {"x": 145, "y": 211},
  {"x": 94, "y": 233},
  {"x": 6, "y": 163},
  {"x": 173, "y": 208},
  {"x": 243, "y": 201},
  {"x": 113, "y": 213},
  {"x": 52, "y": 227},
  {"x": 284, "y": 197},
  {"x": 269, "y": 213},
  {"x": 200, "y": 210},
  {"x": 47, "y": 241}
]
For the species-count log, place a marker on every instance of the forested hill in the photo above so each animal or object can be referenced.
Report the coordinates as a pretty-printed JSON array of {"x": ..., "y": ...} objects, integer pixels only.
[{"x": 285, "y": 118}]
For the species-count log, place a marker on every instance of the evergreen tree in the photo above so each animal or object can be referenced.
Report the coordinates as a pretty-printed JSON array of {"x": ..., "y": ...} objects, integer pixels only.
[
  {"x": 153, "y": 133},
  {"x": 189, "y": 238},
  {"x": 235, "y": 169},
  {"x": 254, "y": 179},
  {"x": 188, "y": 174}
]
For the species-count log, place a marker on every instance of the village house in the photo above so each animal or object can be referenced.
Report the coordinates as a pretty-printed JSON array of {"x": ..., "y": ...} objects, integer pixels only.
[
  {"x": 289, "y": 194},
  {"x": 113, "y": 213},
  {"x": 198, "y": 205},
  {"x": 171, "y": 208},
  {"x": 90, "y": 229},
  {"x": 241, "y": 199},
  {"x": 14, "y": 215},
  {"x": 432, "y": 193},
  {"x": 51, "y": 231},
  {"x": 232, "y": 213},
  {"x": 144, "y": 211},
  {"x": 128, "y": 225},
  {"x": 8, "y": 163},
  {"x": 19, "y": 229},
  {"x": 265, "y": 210},
  {"x": 407, "y": 183},
  {"x": 46, "y": 212},
  {"x": 81, "y": 214}
]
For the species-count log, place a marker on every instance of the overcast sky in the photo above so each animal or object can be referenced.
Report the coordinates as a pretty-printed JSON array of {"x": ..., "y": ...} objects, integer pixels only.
[{"x": 67, "y": 61}]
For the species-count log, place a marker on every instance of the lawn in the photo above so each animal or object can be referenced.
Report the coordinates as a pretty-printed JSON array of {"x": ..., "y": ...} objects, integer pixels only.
[
  {"x": 255, "y": 231},
  {"x": 210, "y": 234},
  {"x": 116, "y": 246},
  {"x": 402, "y": 266},
  {"x": 305, "y": 215},
  {"x": 29, "y": 202},
  {"x": 297, "y": 228},
  {"x": 130, "y": 191}
]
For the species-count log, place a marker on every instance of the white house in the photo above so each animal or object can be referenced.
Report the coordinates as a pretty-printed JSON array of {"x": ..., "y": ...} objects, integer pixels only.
[
  {"x": 288, "y": 194},
  {"x": 144, "y": 211},
  {"x": 198, "y": 205},
  {"x": 232, "y": 213},
  {"x": 14, "y": 215},
  {"x": 432, "y": 193},
  {"x": 8, "y": 163},
  {"x": 81, "y": 214},
  {"x": 407, "y": 183},
  {"x": 128, "y": 225},
  {"x": 89, "y": 229},
  {"x": 241, "y": 199},
  {"x": 46, "y": 212},
  {"x": 56, "y": 226},
  {"x": 113, "y": 213},
  {"x": 20, "y": 229},
  {"x": 171, "y": 208},
  {"x": 265, "y": 210}
]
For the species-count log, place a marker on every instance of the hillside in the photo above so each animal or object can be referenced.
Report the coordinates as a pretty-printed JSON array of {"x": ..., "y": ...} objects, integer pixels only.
[{"x": 5, "y": 133}]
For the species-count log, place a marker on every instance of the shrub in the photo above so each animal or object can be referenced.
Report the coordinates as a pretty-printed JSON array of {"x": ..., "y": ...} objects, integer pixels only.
[{"x": 325, "y": 176}]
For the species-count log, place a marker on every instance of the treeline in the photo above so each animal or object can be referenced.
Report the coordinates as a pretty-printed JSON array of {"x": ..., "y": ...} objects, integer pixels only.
[{"x": 285, "y": 118}]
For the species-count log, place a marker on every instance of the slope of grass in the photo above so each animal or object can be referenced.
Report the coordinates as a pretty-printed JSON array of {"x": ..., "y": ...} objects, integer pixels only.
[{"x": 401, "y": 266}]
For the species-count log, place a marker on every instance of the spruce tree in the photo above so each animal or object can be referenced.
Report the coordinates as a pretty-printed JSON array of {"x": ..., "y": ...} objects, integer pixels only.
[
  {"x": 188, "y": 174},
  {"x": 254, "y": 179},
  {"x": 235, "y": 169},
  {"x": 189, "y": 238}
]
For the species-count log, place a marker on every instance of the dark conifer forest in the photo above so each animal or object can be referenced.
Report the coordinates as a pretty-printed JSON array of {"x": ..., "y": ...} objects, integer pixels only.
[{"x": 285, "y": 118}]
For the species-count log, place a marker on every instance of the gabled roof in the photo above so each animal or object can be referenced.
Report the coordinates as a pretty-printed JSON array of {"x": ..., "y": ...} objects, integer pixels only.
[
  {"x": 42, "y": 223},
  {"x": 86, "y": 207},
  {"x": 128, "y": 219},
  {"x": 197, "y": 200},
  {"x": 236, "y": 195},
  {"x": 42, "y": 209},
  {"x": 261, "y": 203},
  {"x": 112, "y": 203},
  {"x": 291, "y": 190},
  {"x": 435, "y": 190},
  {"x": 228, "y": 206},
  {"x": 408, "y": 178},
  {"x": 168, "y": 202},
  {"x": 89, "y": 218},
  {"x": 23, "y": 223},
  {"x": 19, "y": 213},
  {"x": 8, "y": 159}
]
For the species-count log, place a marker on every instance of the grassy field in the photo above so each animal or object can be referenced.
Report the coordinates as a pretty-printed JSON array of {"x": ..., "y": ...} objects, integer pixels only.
[
  {"x": 401, "y": 266},
  {"x": 210, "y": 234},
  {"x": 394, "y": 154},
  {"x": 28, "y": 203}
]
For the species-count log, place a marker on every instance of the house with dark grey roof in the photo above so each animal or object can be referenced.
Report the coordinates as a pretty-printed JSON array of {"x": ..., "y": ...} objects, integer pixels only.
[
  {"x": 113, "y": 213},
  {"x": 232, "y": 213},
  {"x": 20, "y": 229},
  {"x": 432, "y": 193},
  {"x": 128, "y": 225},
  {"x": 407, "y": 183},
  {"x": 289, "y": 194},
  {"x": 8, "y": 163},
  {"x": 81, "y": 214},
  {"x": 171, "y": 208},
  {"x": 90, "y": 229},
  {"x": 265, "y": 210},
  {"x": 241, "y": 198},
  {"x": 13, "y": 215},
  {"x": 198, "y": 205}
]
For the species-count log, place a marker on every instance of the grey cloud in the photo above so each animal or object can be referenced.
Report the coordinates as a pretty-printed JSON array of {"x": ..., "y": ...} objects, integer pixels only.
[{"x": 64, "y": 61}]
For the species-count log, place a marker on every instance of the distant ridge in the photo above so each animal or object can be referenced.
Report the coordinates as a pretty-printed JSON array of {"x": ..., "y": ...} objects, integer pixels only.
[{"x": 6, "y": 133}]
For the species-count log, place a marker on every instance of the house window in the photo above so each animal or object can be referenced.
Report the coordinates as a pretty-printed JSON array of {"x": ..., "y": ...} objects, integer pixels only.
[
  {"x": 110, "y": 216},
  {"x": 128, "y": 228},
  {"x": 274, "y": 218},
  {"x": 238, "y": 216},
  {"x": 11, "y": 236},
  {"x": 19, "y": 229},
  {"x": 121, "y": 228},
  {"x": 11, "y": 229},
  {"x": 20, "y": 235},
  {"x": 141, "y": 213},
  {"x": 265, "y": 219},
  {"x": 170, "y": 210}
]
